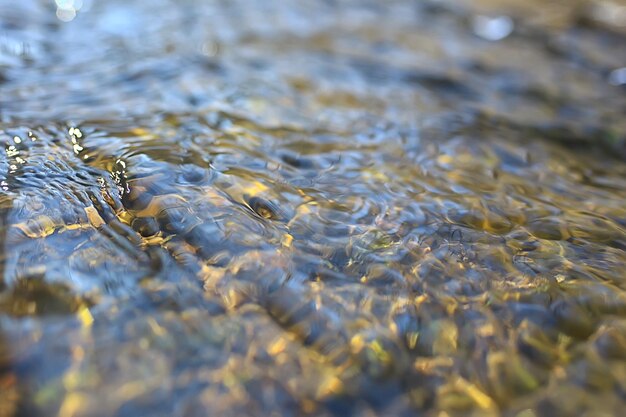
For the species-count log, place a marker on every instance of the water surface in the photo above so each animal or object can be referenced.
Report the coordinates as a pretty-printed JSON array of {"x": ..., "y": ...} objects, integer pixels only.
[{"x": 319, "y": 208}]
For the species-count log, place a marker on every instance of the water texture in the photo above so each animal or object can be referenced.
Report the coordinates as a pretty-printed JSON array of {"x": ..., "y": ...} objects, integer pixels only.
[{"x": 312, "y": 208}]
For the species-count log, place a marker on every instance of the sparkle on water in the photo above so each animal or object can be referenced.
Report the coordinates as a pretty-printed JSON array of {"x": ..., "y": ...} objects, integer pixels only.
[{"x": 329, "y": 208}]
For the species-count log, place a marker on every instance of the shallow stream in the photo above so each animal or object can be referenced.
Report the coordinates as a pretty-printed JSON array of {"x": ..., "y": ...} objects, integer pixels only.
[{"x": 324, "y": 208}]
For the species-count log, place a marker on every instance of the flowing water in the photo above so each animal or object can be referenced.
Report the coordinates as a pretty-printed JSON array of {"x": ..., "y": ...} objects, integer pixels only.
[{"x": 329, "y": 208}]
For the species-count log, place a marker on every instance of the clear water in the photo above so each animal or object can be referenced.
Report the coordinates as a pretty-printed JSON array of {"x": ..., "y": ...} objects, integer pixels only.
[{"x": 321, "y": 208}]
